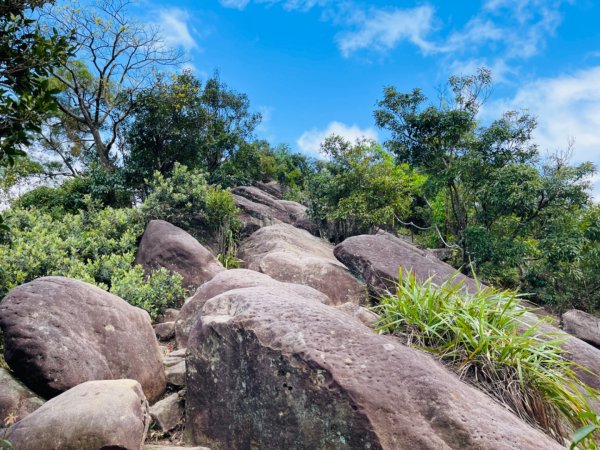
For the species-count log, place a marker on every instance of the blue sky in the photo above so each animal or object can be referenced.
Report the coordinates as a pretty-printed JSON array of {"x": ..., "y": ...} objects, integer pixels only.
[{"x": 312, "y": 67}]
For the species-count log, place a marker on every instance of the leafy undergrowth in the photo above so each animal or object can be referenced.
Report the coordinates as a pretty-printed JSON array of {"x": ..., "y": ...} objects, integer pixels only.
[{"x": 484, "y": 338}]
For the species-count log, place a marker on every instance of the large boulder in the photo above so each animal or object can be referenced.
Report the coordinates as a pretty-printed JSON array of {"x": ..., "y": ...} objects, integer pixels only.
[
  {"x": 377, "y": 259},
  {"x": 16, "y": 399},
  {"x": 165, "y": 245},
  {"x": 582, "y": 325},
  {"x": 93, "y": 415},
  {"x": 227, "y": 281},
  {"x": 292, "y": 255},
  {"x": 270, "y": 369},
  {"x": 60, "y": 332},
  {"x": 260, "y": 208}
]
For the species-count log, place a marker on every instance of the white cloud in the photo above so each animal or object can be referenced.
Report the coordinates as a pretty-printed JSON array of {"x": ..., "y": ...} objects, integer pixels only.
[
  {"x": 566, "y": 107},
  {"x": 175, "y": 30},
  {"x": 382, "y": 30},
  {"x": 235, "y": 4},
  {"x": 310, "y": 141}
]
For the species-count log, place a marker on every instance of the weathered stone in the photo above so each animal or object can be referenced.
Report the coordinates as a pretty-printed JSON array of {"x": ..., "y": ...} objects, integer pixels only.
[
  {"x": 170, "y": 315},
  {"x": 169, "y": 360},
  {"x": 583, "y": 326},
  {"x": 168, "y": 412},
  {"x": 272, "y": 187},
  {"x": 376, "y": 259},
  {"x": 93, "y": 415},
  {"x": 227, "y": 281},
  {"x": 60, "y": 332},
  {"x": 271, "y": 369},
  {"x": 16, "y": 400},
  {"x": 178, "y": 353},
  {"x": 172, "y": 447},
  {"x": 292, "y": 255},
  {"x": 165, "y": 245},
  {"x": 176, "y": 374},
  {"x": 360, "y": 313},
  {"x": 165, "y": 331}
]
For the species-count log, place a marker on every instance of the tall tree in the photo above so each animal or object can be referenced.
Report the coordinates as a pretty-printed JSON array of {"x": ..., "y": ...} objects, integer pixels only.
[{"x": 115, "y": 58}]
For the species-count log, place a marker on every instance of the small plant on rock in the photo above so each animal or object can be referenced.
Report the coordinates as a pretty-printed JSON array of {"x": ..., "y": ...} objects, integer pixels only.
[{"x": 487, "y": 338}]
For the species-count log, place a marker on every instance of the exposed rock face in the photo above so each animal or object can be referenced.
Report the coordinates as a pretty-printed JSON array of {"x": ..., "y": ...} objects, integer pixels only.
[
  {"x": 165, "y": 331},
  {"x": 582, "y": 325},
  {"x": 16, "y": 400},
  {"x": 165, "y": 245},
  {"x": 377, "y": 258},
  {"x": 260, "y": 208},
  {"x": 271, "y": 369},
  {"x": 93, "y": 415},
  {"x": 227, "y": 281},
  {"x": 60, "y": 332},
  {"x": 168, "y": 412},
  {"x": 292, "y": 255}
]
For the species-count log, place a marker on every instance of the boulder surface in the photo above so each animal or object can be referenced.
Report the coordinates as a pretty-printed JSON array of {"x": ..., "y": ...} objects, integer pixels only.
[
  {"x": 93, "y": 415},
  {"x": 16, "y": 399},
  {"x": 227, "y": 281},
  {"x": 165, "y": 245},
  {"x": 270, "y": 369},
  {"x": 582, "y": 325},
  {"x": 291, "y": 255},
  {"x": 60, "y": 332}
]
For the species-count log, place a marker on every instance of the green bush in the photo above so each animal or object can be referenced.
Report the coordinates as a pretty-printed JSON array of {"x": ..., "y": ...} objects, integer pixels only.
[
  {"x": 95, "y": 245},
  {"x": 187, "y": 201},
  {"x": 482, "y": 337}
]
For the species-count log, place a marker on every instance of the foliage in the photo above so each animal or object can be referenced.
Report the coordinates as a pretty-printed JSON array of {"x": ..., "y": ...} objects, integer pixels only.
[
  {"x": 94, "y": 245},
  {"x": 360, "y": 188},
  {"x": 187, "y": 201},
  {"x": 485, "y": 338},
  {"x": 26, "y": 58},
  {"x": 180, "y": 121},
  {"x": 114, "y": 58}
]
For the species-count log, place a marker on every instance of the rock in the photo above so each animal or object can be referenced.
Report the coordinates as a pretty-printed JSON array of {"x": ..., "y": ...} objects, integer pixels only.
[
  {"x": 178, "y": 353},
  {"x": 170, "y": 315},
  {"x": 60, "y": 332},
  {"x": 377, "y": 258},
  {"x": 165, "y": 245},
  {"x": 292, "y": 255},
  {"x": 176, "y": 374},
  {"x": 93, "y": 415},
  {"x": 260, "y": 209},
  {"x": 360, "y": 313},
  {"x": 165, "y": 331},
  {"x": 16, "y": 400},
  {"x": 168, "y": 412},
  {"x": 227, "y": 281},
  {"x": 172, "y": 447},
  {"x": 582, "y": 325},
  {"x": 271, "y": 369},
  {"x": 169, "y": 360},
  {"x": 272, "y": 187}
]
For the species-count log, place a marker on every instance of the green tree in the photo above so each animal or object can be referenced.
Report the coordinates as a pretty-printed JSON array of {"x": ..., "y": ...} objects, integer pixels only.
[
  {"x": 181, "y": 120},
  {"x": 360, "y": 188}
]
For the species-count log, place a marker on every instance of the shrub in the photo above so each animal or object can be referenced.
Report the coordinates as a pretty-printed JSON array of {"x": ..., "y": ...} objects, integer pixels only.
[
  {"x": 95, "y": 245},
  {"x": 187, "y": 201},
  {"x": 482, "y": 337}
]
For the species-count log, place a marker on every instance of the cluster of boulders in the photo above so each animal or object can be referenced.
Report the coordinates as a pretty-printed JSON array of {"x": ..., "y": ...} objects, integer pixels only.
[{"x": 280, "y": 354}]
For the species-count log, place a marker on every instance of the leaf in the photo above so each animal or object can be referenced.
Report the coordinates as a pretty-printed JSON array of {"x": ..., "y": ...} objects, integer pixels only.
[{"x": 581, "y": 434}]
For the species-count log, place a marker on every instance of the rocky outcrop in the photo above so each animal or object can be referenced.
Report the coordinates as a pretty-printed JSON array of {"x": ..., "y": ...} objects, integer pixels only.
[
  {"x": 376, "y": 259},
  {"x": 93, "y": 415},
  {"x": 227, "y": 281},
  {"x": 60, "y": 332},
  {"x": 169, "y": 411},
  {"x": 271, "y": 369},
  {"x": 260, "y": 208},
  {"x": 16, "y": 400},
  {"x": 165, "y": 245},
  {"x": 582, "y": 325},
  {"x": 292, "y": 255}
]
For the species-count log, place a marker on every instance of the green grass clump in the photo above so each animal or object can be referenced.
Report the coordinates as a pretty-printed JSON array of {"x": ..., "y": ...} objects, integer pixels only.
[{"x": 483, "y": 337}]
